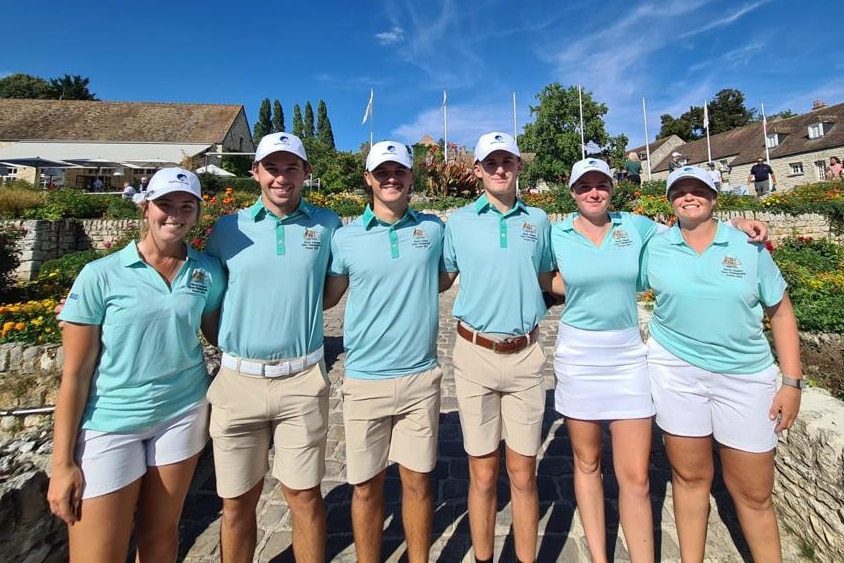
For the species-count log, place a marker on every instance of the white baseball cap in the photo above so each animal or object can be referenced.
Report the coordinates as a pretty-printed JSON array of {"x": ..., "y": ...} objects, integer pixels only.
[
  {"x": 693, "y": 172},
  {"x": 581, "y": 167},
  {"x": 676, "y": 154},
  {"x": 170, "y": 180},
  {"x": 495, "y": 141},
  {"x": 280, "y": 142},
  {"x": 388, "y": 151}
]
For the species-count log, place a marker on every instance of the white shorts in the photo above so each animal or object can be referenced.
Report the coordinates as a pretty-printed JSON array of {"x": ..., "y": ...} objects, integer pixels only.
[
  {"x": 601, "y": 374},
  {"x": 112, "y": 460},
  {"x": 733, "y": 408}
]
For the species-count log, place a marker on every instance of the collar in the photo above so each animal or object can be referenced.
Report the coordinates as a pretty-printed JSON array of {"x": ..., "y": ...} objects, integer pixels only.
[
  {"x": 567, "y": 224},
  {"x": 129, "y": 255},
  {"x": 482, "y": 204},
  {"x": 369, "y": 218},
  {"x": 722, "y": 235},
  {"x": 259, "y": 211}
]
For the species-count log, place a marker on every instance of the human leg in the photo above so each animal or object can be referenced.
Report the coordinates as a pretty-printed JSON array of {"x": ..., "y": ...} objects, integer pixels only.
[
  {"x": 417, "y": 509},
  {"x": 483, "y": 479},
  {"x": 368, "y": 518},
  {"x": 105, "y": 524},
  {"x": 524, "y": 500},
  {"x": 309, "y": 534},
  {"x": 750, "y": 480},
  {"x": 692, "y": 471},
  {"x": 585, "y": 437},
  {"x": 239, "y": 526},
  {"x": 631, "y": 449}
]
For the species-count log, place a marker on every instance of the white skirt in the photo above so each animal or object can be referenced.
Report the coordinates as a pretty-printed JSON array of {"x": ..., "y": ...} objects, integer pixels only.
[{"x": 601, "y": 374}]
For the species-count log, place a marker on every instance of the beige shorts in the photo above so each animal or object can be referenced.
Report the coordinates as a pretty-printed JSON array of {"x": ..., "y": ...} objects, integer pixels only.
[
  {"x": 394, "y": 419},
  {"x": 248, "y": 411},
  {"x": 499, "y": 395}
]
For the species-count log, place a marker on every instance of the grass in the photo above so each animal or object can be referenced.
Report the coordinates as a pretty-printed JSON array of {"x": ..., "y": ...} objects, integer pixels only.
[{"x": 15, "y": 200}]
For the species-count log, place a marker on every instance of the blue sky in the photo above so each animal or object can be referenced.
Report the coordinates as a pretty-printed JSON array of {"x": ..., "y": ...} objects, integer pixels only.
[{"x": 675, "y": 53}]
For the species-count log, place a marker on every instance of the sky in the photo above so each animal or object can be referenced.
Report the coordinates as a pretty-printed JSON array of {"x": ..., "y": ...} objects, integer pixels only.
[{"x": 674, "y": 53}]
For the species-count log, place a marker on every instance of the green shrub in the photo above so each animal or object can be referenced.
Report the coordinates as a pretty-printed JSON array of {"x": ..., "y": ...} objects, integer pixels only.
[
  {"x": 16, "y": 199},
  {"x": 9, "y": 257},
  {"x": 66, "y": 203},
  {"x": 121, "y": 208}
]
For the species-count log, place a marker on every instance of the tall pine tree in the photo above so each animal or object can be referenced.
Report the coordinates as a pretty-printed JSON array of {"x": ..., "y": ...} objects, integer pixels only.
[
  {"x": 278, "y": 117},
  {"x": 264, "y": 125},
  {"x": 298, "y": 126},
  {"x": 309, "y": 120},
  {"x": 325, "y": 135}
]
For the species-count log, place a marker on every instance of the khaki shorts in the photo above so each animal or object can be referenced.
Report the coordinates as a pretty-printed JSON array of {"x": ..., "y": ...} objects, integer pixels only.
[
  {"x": 499, "y": 395},
  {"x": 394, "y": 419},
  {"x": 248, "y": 411}
]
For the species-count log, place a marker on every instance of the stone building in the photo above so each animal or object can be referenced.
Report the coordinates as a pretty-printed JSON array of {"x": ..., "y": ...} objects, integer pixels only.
[
  {"x": 799, "y": 148},
  {"x": 74, "y": 143}
]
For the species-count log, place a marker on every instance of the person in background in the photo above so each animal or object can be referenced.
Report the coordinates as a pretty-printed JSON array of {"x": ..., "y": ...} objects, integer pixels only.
[
  {"x": 762, "y": 176},
  {"x": 633, "y": 168},
  {"x": 500, "y": 247},
  {"x": 143, "y": 186},
  {"x": 389, "y": 258},
  {"x": 128, "y": 191},
  {"x": 834, "y": 170},
  {"x": 273, "y": 385},
  {"x": 715, "y": 174},
  {"x": 719, "y": 385},
  {"x": 131, "y": 417},
  {"x": 675, "y": 162}
]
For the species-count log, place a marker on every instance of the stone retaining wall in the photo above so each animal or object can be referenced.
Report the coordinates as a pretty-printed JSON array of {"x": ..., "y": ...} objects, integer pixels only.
[{"x": 45, "y": 240}]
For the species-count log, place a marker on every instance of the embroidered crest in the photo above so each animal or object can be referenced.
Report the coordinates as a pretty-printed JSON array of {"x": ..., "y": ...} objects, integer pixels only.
[
  {"x": 199, "y": 281},
  {"x": 732, "y": 267}
]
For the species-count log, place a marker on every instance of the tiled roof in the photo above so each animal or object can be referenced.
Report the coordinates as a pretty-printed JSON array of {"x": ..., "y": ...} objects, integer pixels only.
[
  {"x": 747, "y": 143},
  {"x": 67, "y": 120}
]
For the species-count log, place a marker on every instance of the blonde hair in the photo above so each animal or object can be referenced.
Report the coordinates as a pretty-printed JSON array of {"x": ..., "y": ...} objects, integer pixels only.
[{"x": 633, "y": 155}]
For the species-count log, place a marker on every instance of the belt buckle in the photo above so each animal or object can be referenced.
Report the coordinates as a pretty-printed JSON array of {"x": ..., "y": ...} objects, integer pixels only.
[{"x": 278, "y": 370}]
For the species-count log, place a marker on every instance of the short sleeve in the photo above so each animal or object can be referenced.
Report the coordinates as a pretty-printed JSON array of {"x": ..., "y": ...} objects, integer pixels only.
[
  {"x": 771, "y": 283},
  {"x": 449, "y": 254},
  {"x": 85, "y": 304},
  {"x": 546, "y": 259},
  {"x": 642, "y": 283},
  {"x": 336, "y": 263},
  {"x": 218, "y": 286}
]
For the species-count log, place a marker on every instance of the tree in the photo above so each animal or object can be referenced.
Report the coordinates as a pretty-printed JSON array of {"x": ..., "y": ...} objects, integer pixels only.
[
  {"x": 323, "y": 130},
  {"x": 726, "y": 112},
  {"x": 298, "y": 126},
  {"x": 309, "y": 120},
  {"x": 70, "y": 88},
  {"x": 554, "y": 136},
  {"x": 278, "y": 117},
  {"x": 264, "y": 125},
  {"x": 24, "y": 86}
]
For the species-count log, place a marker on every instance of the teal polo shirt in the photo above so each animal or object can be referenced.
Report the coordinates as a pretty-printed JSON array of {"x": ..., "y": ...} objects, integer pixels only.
[
  {"x": 151, "y": 366},
  {"x": 709, "y": 307},
  {"x": 276, "y": 267},
  {"x": 392, "y": 311},
  {"x": 601, "y": 280},
  {"x": 499, "y": 257}
]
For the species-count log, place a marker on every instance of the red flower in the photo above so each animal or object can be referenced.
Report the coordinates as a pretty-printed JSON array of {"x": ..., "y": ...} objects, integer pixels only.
[{"x": 769, "y": 245}]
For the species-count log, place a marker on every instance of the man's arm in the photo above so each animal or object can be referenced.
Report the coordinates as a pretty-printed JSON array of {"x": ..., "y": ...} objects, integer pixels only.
[
  {"x": 335, "y": 287},
  {"x": 447, "y": 280}
]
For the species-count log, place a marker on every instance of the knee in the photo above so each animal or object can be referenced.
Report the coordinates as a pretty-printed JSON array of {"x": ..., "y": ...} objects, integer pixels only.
[
  {"x": 689, "y": 477},
  {"x": 759, "y": 500},
  {"x": 418, "y": 487},
  {"x": 157, "y": 537},
  {"x": 484, "y": 480},
  {"x": 369, "y": 492},
  {"x": 522, "y": 479},
  {"x": 305, "y": 500},
  {"x": 590, "y": 465}
]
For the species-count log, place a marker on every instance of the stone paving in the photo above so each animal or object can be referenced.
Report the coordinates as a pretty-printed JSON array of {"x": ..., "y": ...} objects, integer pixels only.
[{"x": 561, "y": 534}]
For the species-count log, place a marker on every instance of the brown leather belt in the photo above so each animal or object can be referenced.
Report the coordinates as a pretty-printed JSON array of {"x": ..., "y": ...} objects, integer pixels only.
[{"x": 507, "y": 346}]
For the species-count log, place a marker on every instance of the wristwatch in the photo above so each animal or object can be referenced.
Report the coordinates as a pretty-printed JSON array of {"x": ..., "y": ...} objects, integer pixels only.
[{"x": 794, "y": 382}]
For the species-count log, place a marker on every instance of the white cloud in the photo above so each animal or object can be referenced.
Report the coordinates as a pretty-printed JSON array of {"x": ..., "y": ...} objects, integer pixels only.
[
  {"x": 465, "y": 124},
  {"x": 395, "y": 35},
  {"x": 725, "y": 21}
]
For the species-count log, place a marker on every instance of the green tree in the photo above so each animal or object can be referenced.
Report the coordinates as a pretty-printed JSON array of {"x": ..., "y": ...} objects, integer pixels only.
[
  {"x": 343, "y": 172},
  {"x": 323, "y": 130},
  {"x": 554, "y": 136},
  {"x": 727, "y": 111},
  {"x": 298, "y": 126},
  {"x": 24, "y": 86},
  {"x": 71, "y": 88},
  {"x": 682, "y": 126},
  {"x": 264, "y": 125},
  {"x": 278, "y": 117},
  {"x": 309, "y": 120}
]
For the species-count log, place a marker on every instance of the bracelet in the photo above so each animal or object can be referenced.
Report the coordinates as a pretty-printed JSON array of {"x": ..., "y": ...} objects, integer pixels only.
[{"x": 794, "y": 382}]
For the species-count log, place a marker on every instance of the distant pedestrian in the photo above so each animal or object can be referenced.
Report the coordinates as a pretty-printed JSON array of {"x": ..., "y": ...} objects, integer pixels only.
[
  {"x": 762, "y": 176},
  {"x": 98, "y": 185},
  {"x": 128, "y": 191},
  {"x": 715, "y": 174},
  {"x": 834, "y": 170},
  {"x": 675, "y": 162},
  {"x": 633, "y": 168},
  {"x": 143, "y": 187}
]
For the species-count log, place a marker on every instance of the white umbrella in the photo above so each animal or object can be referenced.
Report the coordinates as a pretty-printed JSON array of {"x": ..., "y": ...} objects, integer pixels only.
[{"x": 213, "y": 169}]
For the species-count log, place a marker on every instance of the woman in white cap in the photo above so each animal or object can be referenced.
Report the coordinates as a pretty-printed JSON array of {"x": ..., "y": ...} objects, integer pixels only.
[
  {"x": 600, "y": 360},
  {"x": 131, "y": 416},
  {"x": 716, "y": 380}
]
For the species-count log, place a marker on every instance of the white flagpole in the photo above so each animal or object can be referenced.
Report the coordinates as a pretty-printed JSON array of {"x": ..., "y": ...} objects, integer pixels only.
[
  {"x": 765, "y": 133},
  {"x": 367, "y": 114},
  {"x": 647, "y": 141},
  {"x": 445, "y": 126},
  {"x": 580, "y": 102},
  {"x": 706, "y": 126},
  {"x": 514, "y": 116}
]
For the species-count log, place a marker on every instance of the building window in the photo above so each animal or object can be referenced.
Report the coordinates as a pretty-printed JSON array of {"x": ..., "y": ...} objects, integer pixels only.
[
  {"x": 816, "y": 130},
  {"x": 820, "y": 169},
  {"x": 796, "y": 167},
  {"x": 772, "y": 141},
  {"x": 240, "y": 145}
]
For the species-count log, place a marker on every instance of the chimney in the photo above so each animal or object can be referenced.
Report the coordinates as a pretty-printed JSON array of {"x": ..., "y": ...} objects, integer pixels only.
[{"x": 818, "y": 104}]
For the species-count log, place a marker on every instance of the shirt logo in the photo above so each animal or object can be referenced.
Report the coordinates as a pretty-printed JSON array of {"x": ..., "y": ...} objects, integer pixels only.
[
  {"x": 621, "y": 239},
  {"x": 733, "y": 268},
  {"x": 199, "y": 281},
  {"x": 529, "y": 232},
  {"x": 311, "y": 239},
  {"x": 420, "y": 238}
]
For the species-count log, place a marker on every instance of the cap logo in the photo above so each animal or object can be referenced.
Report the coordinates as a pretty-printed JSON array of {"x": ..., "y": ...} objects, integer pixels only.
[
  {"x": 391, "y": 149},
  {"x": 499, "y": 138},
  {"x": 182, "y": 177},
  {"x": 688, "y": 169},
  {"x": 593, "y": 163},
  {"x": 283, "y": 139}
]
